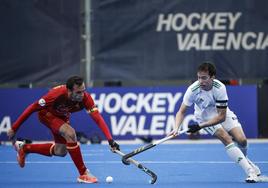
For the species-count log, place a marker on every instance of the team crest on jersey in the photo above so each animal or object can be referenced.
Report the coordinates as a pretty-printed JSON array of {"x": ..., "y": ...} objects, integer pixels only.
[{"x": 42, "y": 102}]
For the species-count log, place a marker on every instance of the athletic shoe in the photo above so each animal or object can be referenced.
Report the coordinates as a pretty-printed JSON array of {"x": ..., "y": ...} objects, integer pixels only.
[
  {"x": 21, "y": 155},
  {"x": 255, "y": 167},
  {"x": 87, "y": 178},
  {"x": 252, "y": 177}
]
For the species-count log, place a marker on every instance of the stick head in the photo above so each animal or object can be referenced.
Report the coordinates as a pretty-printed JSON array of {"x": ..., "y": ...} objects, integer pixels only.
[
  {"x": 125, "y": 161},
  {"x": 153, "y": 180}
]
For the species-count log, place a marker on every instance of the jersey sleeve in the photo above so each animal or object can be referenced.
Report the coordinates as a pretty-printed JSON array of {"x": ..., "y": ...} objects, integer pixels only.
[
  {"x": 188, "y": 97},
  {"x": 89, "y": 103},
  {"x": 221, "y": 97},
  {"x": 96, "y": 116},
  {"x": 24, "y": 116}
]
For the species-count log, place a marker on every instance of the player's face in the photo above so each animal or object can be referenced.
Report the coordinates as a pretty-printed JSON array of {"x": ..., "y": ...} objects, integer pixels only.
[
  {"x": 77, "y": 94},
  {"x": 205, "y": 80}
]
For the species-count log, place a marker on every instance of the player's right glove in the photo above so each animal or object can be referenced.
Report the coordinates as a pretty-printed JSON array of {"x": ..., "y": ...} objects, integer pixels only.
[
  {"x": 193, "y": 128},
  {"x": 113, "y": 144}
]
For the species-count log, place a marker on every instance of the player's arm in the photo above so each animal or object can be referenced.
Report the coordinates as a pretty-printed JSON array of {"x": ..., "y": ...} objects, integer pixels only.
[
  {"x": 97, "y": 117},
  {"x": 24, "y": 116},
  {"x": 179, "y": 118},
  {"x": 216, "y": 120},
  {"x": 188, "y": 100},
  {"x": 220, "y": 117}
]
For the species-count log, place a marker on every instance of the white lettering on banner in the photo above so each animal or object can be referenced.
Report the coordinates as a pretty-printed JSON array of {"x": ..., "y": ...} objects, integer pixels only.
[
  {"x": 114, "y": 98},
  {"x": 117, "y": 125},
  {"x": 197, "y": 36},
  {"x": 234, "y": 19},
  {"x": 128, "y": 124},
  {"x": 99, "y": 101},
  {"x": 170, "y": 124},
  {"x": 222, "y": 41},
  {"x": 159, "y": 102},
  {"x": 128, "y": 103},
  {"x": 172, "y": 101},
  {"x": 245, "y": 41},
  {"x": 196, "y": 21},
  {"x": 193, "y": 17},
  {"x": 159, "y": 125},
  {"x": 206, "y": 22},
  {"x": 218, "y": 42},
  {"x": 5, "y": 124},
  {"x": 143, "y": 102},
  {"x": 220, "y": 21},
  {"x": 129, "y": 97},
  {"x": 139, "y": 114}
]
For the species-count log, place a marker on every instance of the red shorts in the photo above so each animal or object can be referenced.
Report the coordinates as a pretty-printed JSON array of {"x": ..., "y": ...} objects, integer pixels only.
[{"x": 53, "y": 123}]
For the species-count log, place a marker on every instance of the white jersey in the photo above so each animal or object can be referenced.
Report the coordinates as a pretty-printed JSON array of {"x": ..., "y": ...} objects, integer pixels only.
[{"x": 207, "y": 102}]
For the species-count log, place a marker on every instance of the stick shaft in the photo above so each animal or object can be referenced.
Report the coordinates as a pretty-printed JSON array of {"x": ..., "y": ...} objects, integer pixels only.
[{"x": 149, "y": 146}]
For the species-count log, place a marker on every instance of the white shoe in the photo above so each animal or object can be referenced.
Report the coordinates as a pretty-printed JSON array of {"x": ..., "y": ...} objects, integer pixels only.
[
  {"x": 255, "y": 167},
  {"x": 252, "y": 177}
]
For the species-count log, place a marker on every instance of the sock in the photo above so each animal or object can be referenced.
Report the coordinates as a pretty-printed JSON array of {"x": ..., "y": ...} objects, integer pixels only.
[
  {"x": 75, "y": 153},
  {"x": 43, "y": 149},
  {"x": 238, "y": 157}
]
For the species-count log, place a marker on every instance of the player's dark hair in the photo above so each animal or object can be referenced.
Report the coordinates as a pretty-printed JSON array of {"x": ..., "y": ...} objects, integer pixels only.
[
  {"x": 207, "y": 67},
  {"x": 74, "y": 80}
]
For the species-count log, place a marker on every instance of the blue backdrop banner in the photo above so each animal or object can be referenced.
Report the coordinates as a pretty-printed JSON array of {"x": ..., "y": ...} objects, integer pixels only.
[
  {"x": 129, "y": 112},
  {"x": 130, "y": 37}
]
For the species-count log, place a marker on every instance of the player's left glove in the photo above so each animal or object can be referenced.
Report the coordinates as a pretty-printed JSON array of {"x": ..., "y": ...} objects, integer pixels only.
[
  {"x": 193, "y": 128},
  {"x": 113, "y": 144}
]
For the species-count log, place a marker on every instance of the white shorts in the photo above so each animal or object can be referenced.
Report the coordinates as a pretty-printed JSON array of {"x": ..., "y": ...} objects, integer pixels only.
[{"x": 227, "y": 125}]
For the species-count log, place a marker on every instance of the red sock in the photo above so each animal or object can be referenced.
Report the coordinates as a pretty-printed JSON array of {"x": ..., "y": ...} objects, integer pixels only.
[
  {"x": 75, "y": 153},
  {"x": 43, "y": 149}
]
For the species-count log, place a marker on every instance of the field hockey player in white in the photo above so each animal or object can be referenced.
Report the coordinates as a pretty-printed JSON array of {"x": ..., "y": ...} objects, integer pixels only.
[{"x": 212, "y": 114}]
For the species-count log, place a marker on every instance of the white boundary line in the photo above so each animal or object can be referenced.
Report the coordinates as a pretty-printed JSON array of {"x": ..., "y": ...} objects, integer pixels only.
[
  {"x": 119, "y": 162},
  {"x": 174, "y": 141}
]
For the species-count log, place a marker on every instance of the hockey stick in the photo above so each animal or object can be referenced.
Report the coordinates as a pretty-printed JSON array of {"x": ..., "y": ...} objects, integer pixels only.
[
  {"x": 140, "y": 166},
  {"x": 262, "y": 178},
  {"x": 149, "y": 146}
]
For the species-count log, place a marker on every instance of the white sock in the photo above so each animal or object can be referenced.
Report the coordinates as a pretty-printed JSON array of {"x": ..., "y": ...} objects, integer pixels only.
[{"x": 238, "y": 157}]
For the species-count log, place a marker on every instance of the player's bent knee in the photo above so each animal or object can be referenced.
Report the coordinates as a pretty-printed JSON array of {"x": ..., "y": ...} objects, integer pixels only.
[
  {"x": 70, "y": 135},
  {"x": 60, "y": 150},
  {"x": 242, "y": 142},
  {"x": 62, "y": 153}
]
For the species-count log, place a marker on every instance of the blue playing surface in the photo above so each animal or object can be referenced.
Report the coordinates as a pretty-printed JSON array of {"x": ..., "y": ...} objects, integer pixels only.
[{"x": 176, "y": 165}]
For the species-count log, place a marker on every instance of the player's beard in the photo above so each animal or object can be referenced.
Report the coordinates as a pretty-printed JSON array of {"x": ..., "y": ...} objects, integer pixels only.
[{"x": 77, "y": 98}]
